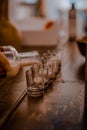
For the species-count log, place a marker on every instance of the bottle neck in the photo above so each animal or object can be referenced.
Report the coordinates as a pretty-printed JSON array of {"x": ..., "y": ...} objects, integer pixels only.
[
  {"x": 73, "y": 7},
  {"x": 3, "y": 9}
]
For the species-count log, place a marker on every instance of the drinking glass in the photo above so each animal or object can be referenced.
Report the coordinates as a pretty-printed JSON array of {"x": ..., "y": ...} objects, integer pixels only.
[{"x": 34, "y": 79}]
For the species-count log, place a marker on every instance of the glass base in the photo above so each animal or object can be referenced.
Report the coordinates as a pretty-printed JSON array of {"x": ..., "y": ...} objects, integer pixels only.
[{"x": 35, "y": 91}]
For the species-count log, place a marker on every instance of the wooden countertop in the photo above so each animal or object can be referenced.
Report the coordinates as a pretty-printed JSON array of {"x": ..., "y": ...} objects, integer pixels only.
[{"x": 62, "y": 105}]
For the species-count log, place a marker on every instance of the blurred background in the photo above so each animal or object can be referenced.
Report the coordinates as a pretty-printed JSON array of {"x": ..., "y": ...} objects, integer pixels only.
[
  {"x": 21, "y": 12},
  {"x": 24, "y": 9},
  {"x": 43, "y": 22}
]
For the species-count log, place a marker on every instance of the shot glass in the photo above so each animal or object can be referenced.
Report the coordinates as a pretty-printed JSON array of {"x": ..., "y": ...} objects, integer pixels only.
[{"x": 34, "y": 79}]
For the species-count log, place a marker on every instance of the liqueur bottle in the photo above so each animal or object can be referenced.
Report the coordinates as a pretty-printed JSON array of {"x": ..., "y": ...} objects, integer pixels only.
[
  {"x": 72, "y": 23},
  {"x": 11, "y": 61}
]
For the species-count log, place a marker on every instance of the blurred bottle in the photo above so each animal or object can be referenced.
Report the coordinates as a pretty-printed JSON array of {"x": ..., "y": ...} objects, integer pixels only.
[
  {"x": 72, "y": 23},
  {"x": 9, "y": 35}
]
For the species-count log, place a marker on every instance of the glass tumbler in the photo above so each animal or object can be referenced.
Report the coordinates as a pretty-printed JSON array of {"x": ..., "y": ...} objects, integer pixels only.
[{"x": 34, "y": 79}]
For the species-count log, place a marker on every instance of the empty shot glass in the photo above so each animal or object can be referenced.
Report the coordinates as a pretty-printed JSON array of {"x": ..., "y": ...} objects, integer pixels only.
[{"x": 34, "y": 79}]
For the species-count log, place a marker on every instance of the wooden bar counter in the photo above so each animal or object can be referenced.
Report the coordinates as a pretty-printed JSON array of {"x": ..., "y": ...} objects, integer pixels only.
[{"x": 60, "y": 108}]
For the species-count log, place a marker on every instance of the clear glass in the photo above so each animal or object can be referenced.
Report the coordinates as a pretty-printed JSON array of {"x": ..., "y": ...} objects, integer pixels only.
[
  {"x": 34, "y": 79},
  {"x": 51, "y": 66},
  {"x": 28, "y": 58}
]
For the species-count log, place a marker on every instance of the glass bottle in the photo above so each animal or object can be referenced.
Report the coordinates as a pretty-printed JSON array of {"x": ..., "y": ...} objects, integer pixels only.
[
  {"x": 72, "y": 23},
  {"x": 12, "y": 61}
]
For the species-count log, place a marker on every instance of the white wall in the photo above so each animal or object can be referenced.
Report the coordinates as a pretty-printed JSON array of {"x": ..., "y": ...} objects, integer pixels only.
[{"x": 50, "y": 9}]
